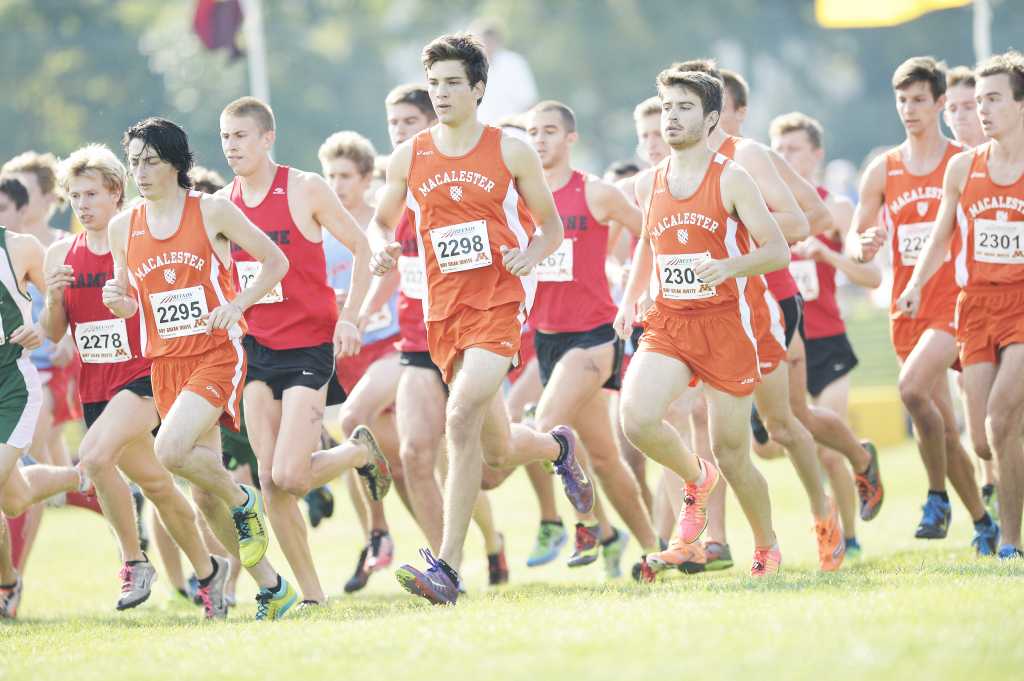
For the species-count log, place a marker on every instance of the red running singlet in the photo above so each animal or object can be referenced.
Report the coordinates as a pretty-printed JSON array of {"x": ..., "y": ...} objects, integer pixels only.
[
  {"x": 411, "y": 326},
  {"x": 817, "y": 283}
]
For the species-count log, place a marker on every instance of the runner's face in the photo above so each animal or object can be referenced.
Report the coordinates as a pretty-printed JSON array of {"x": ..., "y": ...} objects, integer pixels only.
[
  {"x": 10, "y": 216},
  {"x": 998, "y": 111},
  {"x": 343, "y": 176},
  {"x": 961, "y": 115},
  {"x": 683, "y": 123},
  {"x": 244, "y": 144},
  {"x": 92, "y": 202},
  {"x": 651, "y": 145},
  {"x": 549, "y": 138},
  {"x": 918, "y": 110},
  {"x": 40, "y": 206},
  {"x": 154, "y": 177},
  {"x": 450, "y": 93},
  {"x": 798, "y": 151},
  {"x": 404, "y": 121}
]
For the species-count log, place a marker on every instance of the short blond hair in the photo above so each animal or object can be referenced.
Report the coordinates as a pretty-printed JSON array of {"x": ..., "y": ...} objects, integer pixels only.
[
  {"x": 43, "y": 166},
  {"x": 94, "y": 158},
  {"x": 351, "y": 145},
  {"x": 253, "y": 108},
  {"x": 648, "y": 107},
  {"x": 794, "y": 121}
]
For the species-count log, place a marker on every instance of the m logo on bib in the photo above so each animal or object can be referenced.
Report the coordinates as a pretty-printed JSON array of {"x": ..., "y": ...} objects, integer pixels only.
[
  {"x": 683, "y": 236},
  {"x": 456, "y": 192},
  {"x": 169, "y": 276},
  {"x": 922, "y": 208}
]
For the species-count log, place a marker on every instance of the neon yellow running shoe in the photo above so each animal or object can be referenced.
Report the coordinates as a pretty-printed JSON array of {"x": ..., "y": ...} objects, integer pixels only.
[
  {"x": 272, "y": 605},
  {"x": 251, "y": 527}
]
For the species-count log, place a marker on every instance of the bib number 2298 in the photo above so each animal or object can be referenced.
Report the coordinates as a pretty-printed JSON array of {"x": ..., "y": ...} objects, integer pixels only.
[{"x": 461, "y": 247}]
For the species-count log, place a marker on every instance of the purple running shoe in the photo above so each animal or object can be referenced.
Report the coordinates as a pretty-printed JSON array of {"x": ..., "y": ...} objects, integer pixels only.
[
  {"x": 439, "y": 584},
  {"x": 574, "y": 480}
]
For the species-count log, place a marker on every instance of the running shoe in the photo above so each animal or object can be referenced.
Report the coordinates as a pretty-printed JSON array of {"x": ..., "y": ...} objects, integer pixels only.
[
  {"x": 766, "y": 561},
  {"x": 831, "y": 545},
  {"x": 869, "y": 485},
  {"x": 986, "y": 538},
  {"x": 577, "y": 487},
  {"x": 140, "y": 518},
  {"x": 251, "y": 527},
  {"x": 215, "y": 605},
  {"x": 642, "y": 572},
  {"x": 137, "y": 579},
  {"x": 497, "y": 565},
  {"x": 853, "y": 549},
  {"x": 695, "y": 501},
  {"x": 439, "y": 584},
  {"x": 990, "y": 499},
  {"x": 272, "y": 605},
  {"x": 551, "y": 537},
  {"x": 192, "y": 587},
  {"x": 936, "y": 518},
  {"x": 361, "y": 576},
  {"x": 587, "y": 547},
  {"x": 688, "y": 558},
  {"x": 1010, "y": 552},
  {"x": 320, "y": 504},
  {"x": 612, "y": 550},
  {"x": 308, "y": 607},
  {"x": 10, "y": 598},
  {"x": 382, "y": 550},
  {"x": 718, "y": 556},
  {"x": 375, "y": 475}
]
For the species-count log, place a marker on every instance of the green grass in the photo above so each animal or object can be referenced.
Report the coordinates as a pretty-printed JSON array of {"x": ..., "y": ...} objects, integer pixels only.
[
  {"x": 868, "y": 329},
  {"x": 910, "y": 610}
]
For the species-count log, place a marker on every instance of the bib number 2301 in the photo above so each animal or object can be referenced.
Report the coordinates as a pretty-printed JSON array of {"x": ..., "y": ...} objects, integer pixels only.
[
  {"x": 678, "y": 279},
  {"x": 461, "y": 247}
]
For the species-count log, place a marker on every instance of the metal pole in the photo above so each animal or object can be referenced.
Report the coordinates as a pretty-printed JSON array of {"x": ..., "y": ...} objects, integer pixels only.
[
  {"x": 256, "y": 49},
  {"x": 982, "y": 30}
]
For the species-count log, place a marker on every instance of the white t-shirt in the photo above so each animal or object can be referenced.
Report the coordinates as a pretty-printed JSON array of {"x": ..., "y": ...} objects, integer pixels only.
[{"x": 511, "y": 88}]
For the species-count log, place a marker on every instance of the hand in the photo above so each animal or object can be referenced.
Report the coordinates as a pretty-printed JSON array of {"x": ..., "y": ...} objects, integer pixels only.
[
  {"x": 222, "y": 317},
  {"x": 115, "y": 295},
  {"x": 516, "y": 261},
  {"x": 386, "y": 260},
  {"x": 909, "y": 301},
  {"x": 713, "y": 272},
  {"x": 27, "y": 336},
  {"x": 63, "y": 352},
  {"x": 810, "y": 249},
  {"x": 347, "y": 339},
  {"x": 59, "y": 279},
  {"x": 871, "y": 241},
  {"x": 623, "y": 323}
]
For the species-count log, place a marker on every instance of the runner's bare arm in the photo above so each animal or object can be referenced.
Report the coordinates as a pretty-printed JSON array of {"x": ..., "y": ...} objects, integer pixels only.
[
  {"x": 937, "y": 246},
  {"x": 610, "y": 205},
  {"x": 640, "y": 269},
  {"x": 754, "y": 159},
  {"x": 53, "y": 319},
  {"x": 741, "y": 198},
  {"x": 390, "y": 204},
  {"x": 118, "y": 295},
  {"x": 27, "y": 255},
  {"x": 528, "y": 174},
  {"x": 865, "y": 274},
  {"x": 867, "y": 236},
  {"x": 819, "y": 218},
  {"x": 381, "y": 290}
]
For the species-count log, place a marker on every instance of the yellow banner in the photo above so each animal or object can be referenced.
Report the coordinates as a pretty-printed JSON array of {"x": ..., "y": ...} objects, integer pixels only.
[{"x": 876, "y": 13}]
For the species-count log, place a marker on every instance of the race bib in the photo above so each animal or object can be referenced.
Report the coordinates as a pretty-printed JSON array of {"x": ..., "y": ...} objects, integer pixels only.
[
  {"x": 998, "y": 242},
  {"x": 379, "y": 320},
  {"x": 679, "y": 281},
  {"x": 558, "y": 265},
  {"x": 912, "y": 238},
  {"x": 248, "y": 270},
  {"x": 805, "y": 273},
  {"x": 461, "y": 247},
  {"x": 103, "y": 342},
  {"x": 413, "y": 277},
  {"x": 177, "y": 312}
]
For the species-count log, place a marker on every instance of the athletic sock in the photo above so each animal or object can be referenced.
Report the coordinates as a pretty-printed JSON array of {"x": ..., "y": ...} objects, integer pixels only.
[
  {"x": 553, "y": 522},
  {"x": 9, "y": 586},
  {"x": 943, "y": 494},
  {"x": 563, "y": 449},
  {"x": 278, "y": 586},
  {"x": 612, "y": 538},
  {"x": 984, "y": 521},
  {"x": 205, "y": 582}
]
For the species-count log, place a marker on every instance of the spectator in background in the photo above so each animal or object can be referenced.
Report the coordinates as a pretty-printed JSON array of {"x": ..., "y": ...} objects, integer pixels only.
[{"x": 511, "y": 88}]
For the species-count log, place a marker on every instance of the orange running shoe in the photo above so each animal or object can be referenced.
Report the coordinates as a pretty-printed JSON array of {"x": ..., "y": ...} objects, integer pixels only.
[
  {"x": 766, "y": 561},
  {"x": 688, "y": 558},
  {"x": 831, "y": 545},
  {"x": 695, "y": 504}
]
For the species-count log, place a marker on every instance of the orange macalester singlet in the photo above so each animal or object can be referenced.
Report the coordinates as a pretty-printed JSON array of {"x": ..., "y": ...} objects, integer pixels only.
[
  {"x": 708, "y": 328},
  {"x": 179, "y": 280},
  {"x": 465, "y": 209}
]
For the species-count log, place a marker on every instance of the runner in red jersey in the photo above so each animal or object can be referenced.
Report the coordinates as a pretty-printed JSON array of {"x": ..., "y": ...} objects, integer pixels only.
[
  {"x": 469, "y": 187},
  {"x": 578, "y": 352},
  {"x": 906, "y": 185},
  {"x": 983, "y": 204},
  {"x": 799, "y": 140},
  {"x": 295, "y": 330},
  {"x": 114, "y": 385},
  {"x": 172, "y": 266},
  {"x": 700, "y": 324}
]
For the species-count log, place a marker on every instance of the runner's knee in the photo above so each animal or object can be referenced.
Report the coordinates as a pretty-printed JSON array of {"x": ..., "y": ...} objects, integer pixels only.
[{"x": 913, "y": 394}]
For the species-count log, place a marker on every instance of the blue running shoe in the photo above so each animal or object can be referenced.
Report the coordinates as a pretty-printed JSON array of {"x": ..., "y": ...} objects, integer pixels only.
[
  {"x": 935, "y": 522},
  {"x": 986, "y": 538},
  {"x": 1009, "y": 552},
  {"x": 577, "y": 487},
  {"x": 439, "y": 584},
  {"x": 853, "y": 549},
  {"x": 550, "y": 539}
]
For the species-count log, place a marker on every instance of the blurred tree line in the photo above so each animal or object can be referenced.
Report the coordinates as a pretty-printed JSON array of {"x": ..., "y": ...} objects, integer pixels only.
[{"x": 83, "y": 70}]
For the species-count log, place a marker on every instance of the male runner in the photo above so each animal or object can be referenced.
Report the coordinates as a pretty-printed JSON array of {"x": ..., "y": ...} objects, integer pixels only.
[
  {"x": 799, "y": 139},
  {"x": 469, "y": 188},
  {"x": 700, "y": 324},
  {"x": 114, "y": 384},
  {"x": 906, "y": 185},
  {"x": 295, "y": 331},
  {"x": 172, "y": 265},
  {"x": 983, "y": 200}
]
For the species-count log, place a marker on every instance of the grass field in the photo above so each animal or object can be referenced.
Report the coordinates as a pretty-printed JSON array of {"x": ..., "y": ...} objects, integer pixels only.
[{"x": 909, "y": 610}]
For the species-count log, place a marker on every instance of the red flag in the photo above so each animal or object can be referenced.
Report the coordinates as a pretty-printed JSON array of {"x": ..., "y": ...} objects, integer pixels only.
[{"x": 217, "y": 22}]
